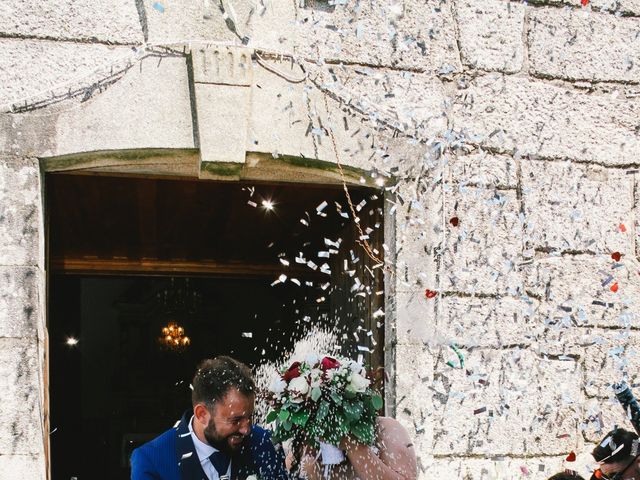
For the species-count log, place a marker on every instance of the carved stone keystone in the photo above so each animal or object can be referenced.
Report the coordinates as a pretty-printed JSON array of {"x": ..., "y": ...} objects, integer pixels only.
[
  {"x": 222, "y": 77},
  {"x": 223, "y": 65}
]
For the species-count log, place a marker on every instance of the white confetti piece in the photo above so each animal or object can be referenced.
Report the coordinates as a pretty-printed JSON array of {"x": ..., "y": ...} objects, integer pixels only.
[
  {"x": 331, "y": 243},
  {"x": 321, "y": 207}
]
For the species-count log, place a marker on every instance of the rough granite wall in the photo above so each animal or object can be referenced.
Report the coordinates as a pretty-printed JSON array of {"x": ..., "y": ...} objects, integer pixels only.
[{"x": 511, "y": 134}]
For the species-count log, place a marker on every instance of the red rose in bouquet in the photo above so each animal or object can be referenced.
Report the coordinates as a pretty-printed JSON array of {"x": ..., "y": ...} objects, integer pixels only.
[
  {"x": 292, "y": 372},
  {"x": 329, "y": 363}
]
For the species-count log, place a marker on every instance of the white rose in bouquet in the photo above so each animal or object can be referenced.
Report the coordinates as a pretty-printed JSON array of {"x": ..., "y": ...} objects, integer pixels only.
[
  {"x": 358, "y": 383},
  {"x": 298, "y": 387},
  {"x": 356, "y": 367},
  {"x": 329, "y": 374},
  {"x": 316, "y": 378},
  {"x": 278, "y": 386},
  {"x": 312, "y": 358}
]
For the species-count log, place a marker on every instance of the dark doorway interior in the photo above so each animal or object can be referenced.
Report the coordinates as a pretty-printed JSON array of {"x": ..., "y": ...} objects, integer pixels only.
[{"x": 129, "y": 255}]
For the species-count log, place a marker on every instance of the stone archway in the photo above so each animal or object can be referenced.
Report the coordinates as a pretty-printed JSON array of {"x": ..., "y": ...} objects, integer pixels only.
[{"x": 168, "y": 117}]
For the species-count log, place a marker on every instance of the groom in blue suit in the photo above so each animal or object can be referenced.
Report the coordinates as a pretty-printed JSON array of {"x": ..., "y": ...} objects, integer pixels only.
[{"x": 216, "y": 441}]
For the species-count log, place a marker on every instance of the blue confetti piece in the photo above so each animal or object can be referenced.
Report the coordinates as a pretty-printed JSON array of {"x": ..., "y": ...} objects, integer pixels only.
[{"x": 159, "y": 7}]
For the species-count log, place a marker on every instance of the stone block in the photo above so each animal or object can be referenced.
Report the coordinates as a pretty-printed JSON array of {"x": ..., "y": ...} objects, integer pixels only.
[
  {"x": 148, "y": 107},
  {"x": 601, "y": 416},
  {"x": 501, "y": 468},
  {"x": 31, "y": 69},
  {"x": 20, "y": 310},
  {"x": 268, "y": 25},
  {"x": 614, "y": 355},
  {"x": 537, "y": 118},
  {"x": 222, "y": 65},
  {"x": 32, "y": 467},
  {"x": 20, "y": 398},
  {"x": 576, "y": 290},
  {"x": 416, "y": 318},
  {"x": 418, "y": 216},
  {"x": 618, "y": 7},
  {"x": 562, "y": 335},
  {"x": 490, "y": 34},
  {"x": 569, "y": 206},
  {"x": 487, "y": 322},
  {"x": 351, "y": 103},
  {"x": 271, "y": 26},
  {"x": 415, "y": 263},
  {"x": 469, "y": 322},
  {"x": 483, "y": 169},
  {"x": 192, "y": 21},
  {"x": 636, "y": 222},
  {"x": 280, "y": 114},
  {"x": 506, "y": 402},
  {"x": 576, "y": 45},
  {"x": 223, "y": 121},
  {"x": 223, "y": 77},
  {"x": 410, "y": 102},
  {"x": 355, "y": 136},
  {"x": 481, "y": 233},
  {"x": 27, "y": 134},
  {"x": 414, "y": 375},
  {"x": 111, "y": 21},
  {"x": 21, "y": 218},
  {"x": 415, "y": 34}
]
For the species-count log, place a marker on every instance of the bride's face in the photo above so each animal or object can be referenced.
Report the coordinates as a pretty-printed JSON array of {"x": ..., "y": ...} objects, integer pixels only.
[{"x": 230, "y": 421}]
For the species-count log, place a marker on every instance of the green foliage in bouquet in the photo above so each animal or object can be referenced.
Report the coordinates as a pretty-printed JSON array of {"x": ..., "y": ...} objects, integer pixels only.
[{"x": 324, "y": 398}]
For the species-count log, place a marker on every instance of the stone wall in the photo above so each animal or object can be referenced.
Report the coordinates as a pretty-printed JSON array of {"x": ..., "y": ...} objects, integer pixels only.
[{"x": 510, "y": 133}]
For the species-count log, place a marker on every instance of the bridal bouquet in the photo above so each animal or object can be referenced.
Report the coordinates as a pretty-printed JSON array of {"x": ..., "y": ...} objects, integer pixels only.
[{"x": 323, "y": 399}]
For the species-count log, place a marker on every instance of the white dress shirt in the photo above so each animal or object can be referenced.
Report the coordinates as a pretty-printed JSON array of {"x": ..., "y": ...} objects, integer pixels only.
[{"x": 204, "y": 451}]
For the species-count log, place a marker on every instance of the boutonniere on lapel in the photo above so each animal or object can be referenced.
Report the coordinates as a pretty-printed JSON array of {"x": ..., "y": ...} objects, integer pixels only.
[{"x": 253, "y": 477}]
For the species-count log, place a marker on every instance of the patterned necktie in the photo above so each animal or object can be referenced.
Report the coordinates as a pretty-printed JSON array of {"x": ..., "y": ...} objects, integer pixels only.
[{"x": 220, "y": 462}]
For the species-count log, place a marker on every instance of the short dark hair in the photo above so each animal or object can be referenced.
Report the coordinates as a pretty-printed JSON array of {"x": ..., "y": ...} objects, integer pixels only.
[
  {"x": 216, "y": 376},
  {"x": 611, "y": 442},
  {"x": 566, "y": 475}
]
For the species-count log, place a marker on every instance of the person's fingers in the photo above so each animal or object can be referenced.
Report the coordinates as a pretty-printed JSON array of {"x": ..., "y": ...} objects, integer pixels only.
[
  {"x": 348, "y": 442},
  {"x": 310, "y": 450}
]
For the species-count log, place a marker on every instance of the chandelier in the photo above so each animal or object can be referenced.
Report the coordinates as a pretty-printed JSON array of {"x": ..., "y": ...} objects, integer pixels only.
[
  {"x": 173, "y": 337},
  {"x": 177, "y": 301}
]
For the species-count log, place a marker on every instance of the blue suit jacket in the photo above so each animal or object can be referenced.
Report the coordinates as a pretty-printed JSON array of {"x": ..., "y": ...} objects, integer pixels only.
[{"x": 172, "y": 456}]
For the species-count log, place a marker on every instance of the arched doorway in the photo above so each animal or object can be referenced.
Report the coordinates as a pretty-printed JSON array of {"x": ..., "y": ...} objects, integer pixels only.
[{"x": 243, "y": 267}]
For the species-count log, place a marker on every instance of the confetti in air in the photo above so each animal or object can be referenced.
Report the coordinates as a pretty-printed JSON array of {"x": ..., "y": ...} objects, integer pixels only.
[{"x": 444, "y": 131}]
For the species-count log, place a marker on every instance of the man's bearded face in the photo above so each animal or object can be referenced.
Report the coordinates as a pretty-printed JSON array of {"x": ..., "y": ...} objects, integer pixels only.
[{"x": 230, "y": 422}]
